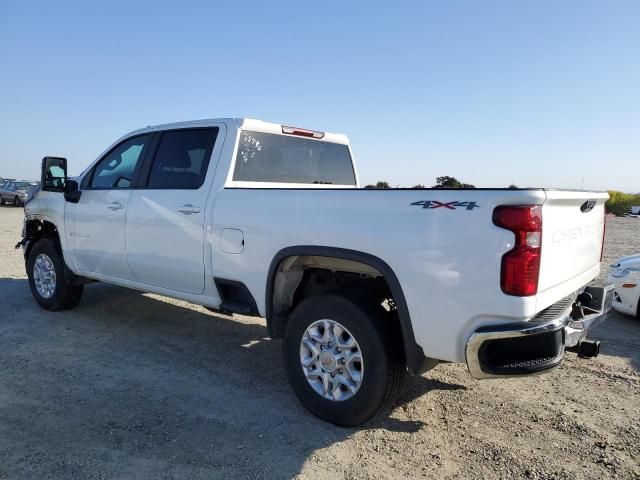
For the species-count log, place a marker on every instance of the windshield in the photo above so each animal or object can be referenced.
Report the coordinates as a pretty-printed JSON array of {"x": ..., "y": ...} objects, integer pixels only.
[
  {"x": 18, "y": 186},
  {"x": 265, "y": 157}
]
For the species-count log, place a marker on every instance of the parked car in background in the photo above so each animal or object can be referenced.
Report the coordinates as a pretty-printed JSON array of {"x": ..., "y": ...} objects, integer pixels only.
[
  {"x": 34, "y": 188},
  {"x": 634, "y": 211},
  {"x": 623, "y": 262},
  {"x": 624, "y": 274},
  {"x": 16, "y": 193}
]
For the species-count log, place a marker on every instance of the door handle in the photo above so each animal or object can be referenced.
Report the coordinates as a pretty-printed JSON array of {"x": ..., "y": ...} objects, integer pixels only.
[
  {"x": 115, "y": 206},
  {"x": 188, "y": 209}
]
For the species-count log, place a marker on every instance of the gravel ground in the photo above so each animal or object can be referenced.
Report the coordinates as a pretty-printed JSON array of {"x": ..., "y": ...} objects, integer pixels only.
[{"x": 132, "y": 385}]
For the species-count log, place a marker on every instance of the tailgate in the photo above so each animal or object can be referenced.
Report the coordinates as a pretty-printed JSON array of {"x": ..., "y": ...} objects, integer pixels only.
[{"x": 572, "y": 235}]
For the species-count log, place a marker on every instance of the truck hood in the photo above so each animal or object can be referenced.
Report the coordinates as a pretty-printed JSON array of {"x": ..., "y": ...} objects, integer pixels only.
[{"x": 624, "y": 262}]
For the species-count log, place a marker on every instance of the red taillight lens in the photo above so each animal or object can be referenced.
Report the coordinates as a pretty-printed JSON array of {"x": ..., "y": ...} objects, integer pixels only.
[{"x": 521, "y": 264}]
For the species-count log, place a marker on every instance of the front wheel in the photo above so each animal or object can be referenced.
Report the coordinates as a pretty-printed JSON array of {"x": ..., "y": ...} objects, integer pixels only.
[
  {"x": 343, "y": 358},
  {"x": 47, "y": 279}
]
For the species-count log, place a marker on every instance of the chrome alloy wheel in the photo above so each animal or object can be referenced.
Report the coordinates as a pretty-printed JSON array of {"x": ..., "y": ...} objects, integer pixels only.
[
  {"x": 331, "y": 360},
  {"x": 44, "y": 276}
]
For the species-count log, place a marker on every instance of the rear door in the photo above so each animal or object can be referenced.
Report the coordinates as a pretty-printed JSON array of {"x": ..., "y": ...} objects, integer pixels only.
[
  {"x": 96, "y": 224},
  {"x": 165, "y": 233}
]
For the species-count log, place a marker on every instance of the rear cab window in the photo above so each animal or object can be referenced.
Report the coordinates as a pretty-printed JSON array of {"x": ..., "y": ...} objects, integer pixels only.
[{"x": 268, "y": 158}]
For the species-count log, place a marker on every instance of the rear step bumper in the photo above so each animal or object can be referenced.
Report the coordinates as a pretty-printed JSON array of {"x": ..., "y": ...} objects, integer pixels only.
[{"x": 527, "y": 348}]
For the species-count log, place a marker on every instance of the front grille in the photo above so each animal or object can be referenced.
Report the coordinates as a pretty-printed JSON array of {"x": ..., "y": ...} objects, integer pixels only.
[{"x": 554, "y": 311}]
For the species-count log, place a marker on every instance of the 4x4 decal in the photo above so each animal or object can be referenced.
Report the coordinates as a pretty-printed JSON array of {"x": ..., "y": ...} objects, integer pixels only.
[{"x": 432, "y": 204}]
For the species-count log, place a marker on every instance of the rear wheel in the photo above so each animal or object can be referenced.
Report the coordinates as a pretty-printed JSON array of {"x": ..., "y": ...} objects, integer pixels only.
[
  {"x": 343, "y": 359},
  {"x": 47, "y": 279},
  {"x": 17, "y": 201}
]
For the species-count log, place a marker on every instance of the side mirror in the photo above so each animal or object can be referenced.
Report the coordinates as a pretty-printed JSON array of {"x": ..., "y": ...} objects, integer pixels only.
[
  {"x": 54, "y": 174},
  {"x": 72, "y": 192}
]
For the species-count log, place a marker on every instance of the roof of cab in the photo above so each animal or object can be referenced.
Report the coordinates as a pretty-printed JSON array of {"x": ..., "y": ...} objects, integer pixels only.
[{"x": 241, "y": 123}]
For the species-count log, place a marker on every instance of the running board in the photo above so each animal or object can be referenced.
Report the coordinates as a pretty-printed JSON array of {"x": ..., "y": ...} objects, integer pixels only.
[{"x": 235, "y": 306}]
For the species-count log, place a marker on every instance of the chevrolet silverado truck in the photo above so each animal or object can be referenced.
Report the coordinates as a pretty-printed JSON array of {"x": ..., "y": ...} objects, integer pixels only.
[{"x": 362, "y": 286}]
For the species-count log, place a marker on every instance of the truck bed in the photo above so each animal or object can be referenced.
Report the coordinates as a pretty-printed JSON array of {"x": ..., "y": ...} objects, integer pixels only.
[{"x": 441, "y": 243}]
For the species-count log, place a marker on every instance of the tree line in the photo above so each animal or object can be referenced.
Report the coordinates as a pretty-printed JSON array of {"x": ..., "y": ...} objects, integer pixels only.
[
  {"x": 441, "y": 182},
  {"x": 619, "y": 203}
]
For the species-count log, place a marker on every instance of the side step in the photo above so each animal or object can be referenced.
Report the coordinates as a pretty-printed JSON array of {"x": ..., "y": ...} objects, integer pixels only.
[{"x": 235, "y": 306}]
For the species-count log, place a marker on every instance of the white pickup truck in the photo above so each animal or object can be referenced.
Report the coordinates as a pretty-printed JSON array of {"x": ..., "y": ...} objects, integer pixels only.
[{"x": 363, "y": 285}]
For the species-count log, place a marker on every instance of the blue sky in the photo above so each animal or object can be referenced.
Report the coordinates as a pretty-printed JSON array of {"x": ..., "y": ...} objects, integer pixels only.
[{"x": 540, "y": 93}]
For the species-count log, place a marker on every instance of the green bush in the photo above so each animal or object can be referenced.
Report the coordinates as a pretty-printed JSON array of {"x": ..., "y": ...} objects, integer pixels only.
[{"x": 620, "y": 202}]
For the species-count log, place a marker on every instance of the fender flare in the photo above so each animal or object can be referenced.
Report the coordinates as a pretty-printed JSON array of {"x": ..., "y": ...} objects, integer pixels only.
[
  {"x": 417, "y": 362},
  {"x": 29, "y": 240}
]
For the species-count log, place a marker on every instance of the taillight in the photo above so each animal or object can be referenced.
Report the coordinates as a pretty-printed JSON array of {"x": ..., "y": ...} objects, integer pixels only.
[
  {"x": 302, "y": 132},
  {"x": 521, "y": 264}
]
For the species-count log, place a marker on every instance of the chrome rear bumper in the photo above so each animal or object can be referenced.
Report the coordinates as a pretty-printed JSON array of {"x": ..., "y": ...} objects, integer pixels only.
[{"x": 531, "y": 347}]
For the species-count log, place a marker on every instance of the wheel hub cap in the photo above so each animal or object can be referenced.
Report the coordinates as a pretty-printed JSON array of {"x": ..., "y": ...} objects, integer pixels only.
[
  {"x": 328, "y": 361},
  {"x": 331, "y": 360},
  {"x": 44, "y": 276}
]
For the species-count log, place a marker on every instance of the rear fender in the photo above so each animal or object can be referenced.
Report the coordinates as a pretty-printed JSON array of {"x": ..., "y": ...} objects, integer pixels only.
[{"x": 417, "y": 362}]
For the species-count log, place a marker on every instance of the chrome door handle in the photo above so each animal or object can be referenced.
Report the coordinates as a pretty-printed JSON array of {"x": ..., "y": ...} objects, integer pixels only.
[
  {"x": 115, "y": 206},
  {"x": 188, "y": 209}
]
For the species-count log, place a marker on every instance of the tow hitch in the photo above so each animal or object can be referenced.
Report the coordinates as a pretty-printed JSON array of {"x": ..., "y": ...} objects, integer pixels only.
[
  {"x": 531, "y": 347},
  {"x": 586, "y": 348},
  {"x": 590, "y": 308}
]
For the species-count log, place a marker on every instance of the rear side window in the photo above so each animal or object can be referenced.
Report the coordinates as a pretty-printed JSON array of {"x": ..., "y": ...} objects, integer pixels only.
[
  {"x": 182, "y": 158},
  {"x": 117, "y": 168},
  {"x": 265, "y": 157}
]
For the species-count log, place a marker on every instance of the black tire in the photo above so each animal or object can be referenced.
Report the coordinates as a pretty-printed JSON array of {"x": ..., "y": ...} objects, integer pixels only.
[
  {"x": 65, "y": 296},
  {"x": 380, "y": 343},
  {"x": 17, "y": 201}
]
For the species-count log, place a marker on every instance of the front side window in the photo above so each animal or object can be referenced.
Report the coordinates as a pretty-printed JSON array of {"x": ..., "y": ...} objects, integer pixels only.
[
  {"x": 266, "y": 157},
  {"x": 118, "y": 167},
  {"x": 182, "y": 158}
]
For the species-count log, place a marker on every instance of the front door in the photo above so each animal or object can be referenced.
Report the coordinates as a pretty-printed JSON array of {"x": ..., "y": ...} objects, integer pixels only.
[
  {"x": 165, "y": 232},
  {"x": 95, "y": 226}
]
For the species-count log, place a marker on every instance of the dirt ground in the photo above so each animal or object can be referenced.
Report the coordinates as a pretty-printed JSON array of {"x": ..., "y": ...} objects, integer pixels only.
[{"x": 141, "y": 386}]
